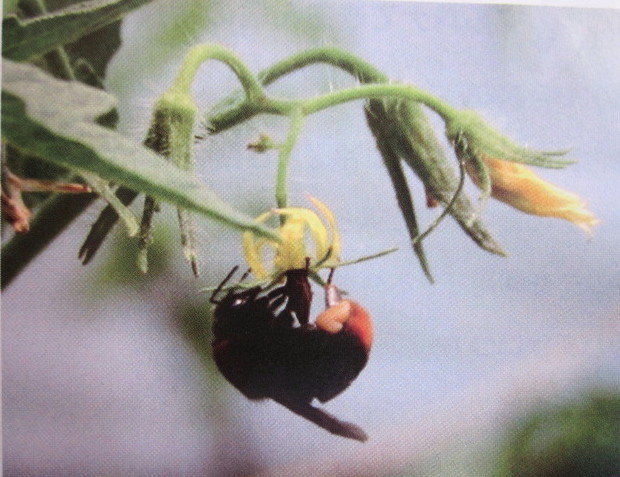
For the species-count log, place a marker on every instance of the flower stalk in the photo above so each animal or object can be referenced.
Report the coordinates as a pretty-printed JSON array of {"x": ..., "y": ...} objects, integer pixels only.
[{"x": 404, "y": 134}]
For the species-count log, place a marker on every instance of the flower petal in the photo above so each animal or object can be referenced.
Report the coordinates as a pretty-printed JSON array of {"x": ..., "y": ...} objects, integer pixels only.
[
  {"x": 334, "y": 252},
  {"x": 291, "y": 253},
  {"x": 519, "y": 187},
  {"x": 251, "y": 249},
  {"x": 317, "y": 229}
]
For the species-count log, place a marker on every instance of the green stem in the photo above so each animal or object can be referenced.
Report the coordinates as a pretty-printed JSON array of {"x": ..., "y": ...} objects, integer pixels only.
[
  {"x": 249, "y": 108},
  {"x": 363, "y": 71},
  {"x": 352, "y": 64},
  {"x": 418, "y": 239},
  {"x": 378, "y": 91},
  {"x": 296, "y": 121},
  {"x": 178, "y": 109},
  {"x": 201, "y": 53}
]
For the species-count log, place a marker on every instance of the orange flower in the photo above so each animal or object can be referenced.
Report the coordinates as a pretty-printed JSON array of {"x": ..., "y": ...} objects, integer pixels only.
[{"x": 519, "y": 187}]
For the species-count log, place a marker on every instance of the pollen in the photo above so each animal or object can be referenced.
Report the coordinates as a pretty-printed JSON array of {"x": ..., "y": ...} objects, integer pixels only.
[{"x": 332, "y": 320}]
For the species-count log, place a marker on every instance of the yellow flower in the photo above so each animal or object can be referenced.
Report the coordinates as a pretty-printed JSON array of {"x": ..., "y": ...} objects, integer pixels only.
[
  {"x": 517, "y": 186},
  {"x": 291, "y": 253}
]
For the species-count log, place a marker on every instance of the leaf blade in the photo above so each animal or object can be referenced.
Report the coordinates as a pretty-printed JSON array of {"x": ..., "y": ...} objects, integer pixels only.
[
  {"x": 55, "y": 120},
  {"x": 26, "y": 39}
]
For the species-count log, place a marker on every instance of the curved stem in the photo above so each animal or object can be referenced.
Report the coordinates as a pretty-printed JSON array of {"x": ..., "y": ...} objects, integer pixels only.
[
  {"x": 418, "y": 239},
  {"x": 296, "y": 117},
  {"x": 249, "y": 108},
  {"x": 201, "y": 53},
  {"x": 363, "y": 71},
  {"x": 378, "y": 91}
]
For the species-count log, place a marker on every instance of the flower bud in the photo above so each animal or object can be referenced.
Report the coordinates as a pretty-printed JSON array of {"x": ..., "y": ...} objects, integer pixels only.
[{"x": 404, "y": 134}]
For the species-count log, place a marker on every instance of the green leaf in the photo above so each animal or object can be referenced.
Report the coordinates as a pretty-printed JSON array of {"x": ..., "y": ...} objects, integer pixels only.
[
  {"x": 91, "y": 54},
  {"x": 9, "y": 6},
  {"x": 55, "y": 120},
  {"x": 26, "y": 39},
  {"x": 102, "y": 188}
]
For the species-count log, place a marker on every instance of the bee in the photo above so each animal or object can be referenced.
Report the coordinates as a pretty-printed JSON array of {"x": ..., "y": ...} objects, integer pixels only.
[{"x": 265, "y": 346}]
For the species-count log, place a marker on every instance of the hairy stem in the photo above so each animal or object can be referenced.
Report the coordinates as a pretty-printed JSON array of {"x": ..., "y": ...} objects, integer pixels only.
[
  {"x": 198, "y": 54},
  {"x": 378, "y": 91},
  {"x": 352, "y": 64},
  {"x": 264, "y": 105},
  {"x": 284, "y": 154}
]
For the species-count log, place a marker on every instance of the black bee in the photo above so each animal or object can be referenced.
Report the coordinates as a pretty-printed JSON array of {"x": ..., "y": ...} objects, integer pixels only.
[{"x": 265, "y": 346}]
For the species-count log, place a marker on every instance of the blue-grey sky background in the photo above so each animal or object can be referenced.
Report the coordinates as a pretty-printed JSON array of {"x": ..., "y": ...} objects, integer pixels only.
[{"x": 110, "y": 385}]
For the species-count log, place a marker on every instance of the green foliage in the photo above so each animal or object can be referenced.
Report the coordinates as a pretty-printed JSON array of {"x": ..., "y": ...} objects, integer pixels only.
[
  {"x": 9, "y": 6},
  {"x": 575, "y": 439},
  {"x": 27, "y": 39},
  {"x": 66, "y": 133},
  {"x": 76, "y": 41}
]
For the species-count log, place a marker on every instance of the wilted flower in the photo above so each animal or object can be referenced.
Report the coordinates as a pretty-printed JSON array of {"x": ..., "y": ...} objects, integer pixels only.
[
  {"x": 291, "y": 253},
  {"x": 495, "y": 165},
  {"x": 519, "y": 187}
]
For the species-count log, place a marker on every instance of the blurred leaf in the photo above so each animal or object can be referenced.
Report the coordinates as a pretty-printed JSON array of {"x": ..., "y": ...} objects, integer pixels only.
[
  {"x": 187, "y": 21},
  {"x": 53, "y": 217},
  {"x": 64, "y": 131},
  {"x": 25, "y": 39},
  {"x": 576, "y": 439},
  {"x": 96, "y": 49},
  {"x": 166, "y": 31},
  {"x": 119, "y": 266},
  {"x": 300, "y": 20},
  {"x": 9, "y": 6}
]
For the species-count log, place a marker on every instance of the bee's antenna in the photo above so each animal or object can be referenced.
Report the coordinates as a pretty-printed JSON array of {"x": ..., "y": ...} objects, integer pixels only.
[
  {"x": 331, "y": 275},
  {"x": 332, "y": 294},
  {"x": 221, "y": 285},
  {"x": 245, "y": 275}
]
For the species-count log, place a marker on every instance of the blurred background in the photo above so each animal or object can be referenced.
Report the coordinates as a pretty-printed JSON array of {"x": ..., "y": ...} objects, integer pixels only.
[{"x": 108, "y": 372}]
